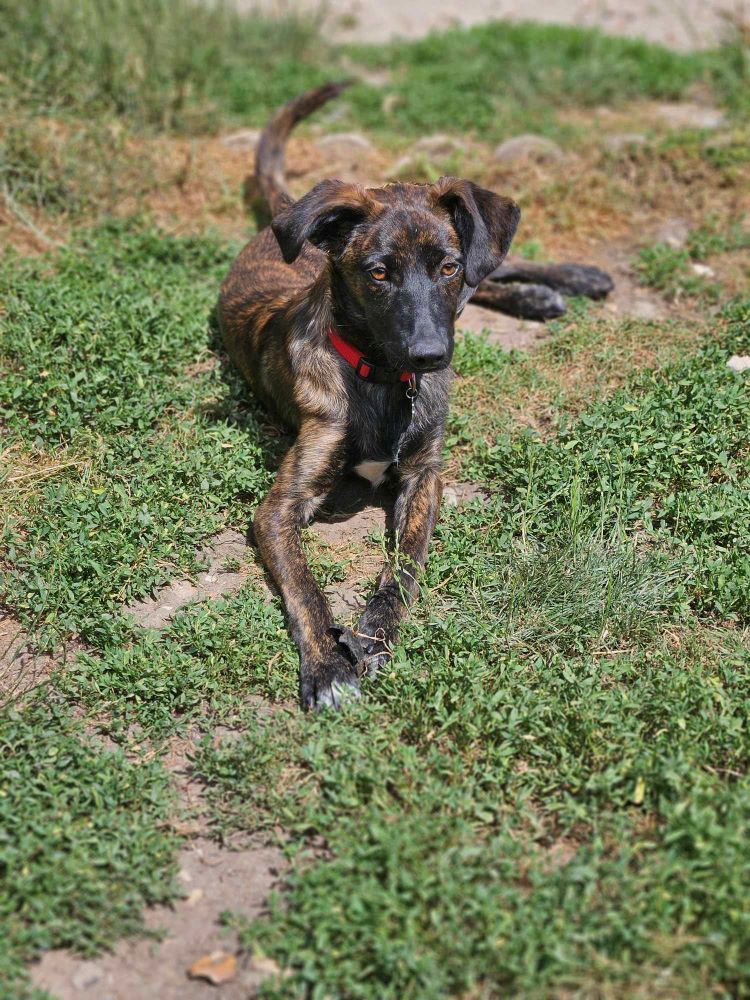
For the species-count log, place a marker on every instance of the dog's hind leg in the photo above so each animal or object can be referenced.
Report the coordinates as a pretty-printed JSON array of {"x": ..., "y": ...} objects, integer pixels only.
[
  {"x": 414, "y": 516},
  {"x": 525, "y": 301},
  {"x": 570, "y": 279},
  {"x": 309, "y": 470},
  {"x": 535, "y": 291}
]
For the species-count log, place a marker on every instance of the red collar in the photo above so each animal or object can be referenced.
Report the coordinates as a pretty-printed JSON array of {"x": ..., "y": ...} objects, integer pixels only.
[{"x": 366, "y": 369}]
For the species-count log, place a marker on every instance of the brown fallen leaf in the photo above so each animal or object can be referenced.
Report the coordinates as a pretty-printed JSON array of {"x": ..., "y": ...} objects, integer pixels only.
[{"x": 218, "y": 967}]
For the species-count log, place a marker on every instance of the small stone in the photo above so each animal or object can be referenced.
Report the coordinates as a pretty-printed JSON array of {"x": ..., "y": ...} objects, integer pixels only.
[
  {"x": 703, "y": 270},
  {"x": 344, "y": 143},
  {"x": 88, "y": 975},
  {"x": 528, "y": 147},
  {"x": 438, "y": 146},
  {"x": 627, "y": 140},
  {"x": 673, "y": 232},
  {"x": 194, "y": 897},
  {"x": 246, "y": 138},
  {"x": 739, "y": 362},
  {"x": 644, "y": 309},
  {"x": 264, "y": 965},
  {"x": 691, "y": 115}
]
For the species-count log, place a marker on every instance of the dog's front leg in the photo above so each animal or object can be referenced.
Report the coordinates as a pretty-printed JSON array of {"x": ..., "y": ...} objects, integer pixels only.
[
  {"x": 309, "y": 470},
  {"x": 414, "y": 517}
]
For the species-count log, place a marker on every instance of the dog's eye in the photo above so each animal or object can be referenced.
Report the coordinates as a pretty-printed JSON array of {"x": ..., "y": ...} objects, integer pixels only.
[
  {"x": 378, "y": 273},
  {"x": 449, "y": 269}
]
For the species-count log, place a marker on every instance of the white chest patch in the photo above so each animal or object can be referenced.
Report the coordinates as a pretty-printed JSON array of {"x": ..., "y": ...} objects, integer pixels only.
[{"x": 373, "y": 471}]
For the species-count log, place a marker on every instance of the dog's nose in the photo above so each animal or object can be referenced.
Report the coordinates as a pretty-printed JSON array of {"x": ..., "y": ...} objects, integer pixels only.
[{"x": 428, "y": 354}]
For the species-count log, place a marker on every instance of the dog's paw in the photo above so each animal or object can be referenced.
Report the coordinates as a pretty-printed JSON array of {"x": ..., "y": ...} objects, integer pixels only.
[
  {"x": 377, "y": 632},
  {"x": 373, "y": 663},
  {"x": 330, "y": 684},
  {"x": 349, "y": 644}
]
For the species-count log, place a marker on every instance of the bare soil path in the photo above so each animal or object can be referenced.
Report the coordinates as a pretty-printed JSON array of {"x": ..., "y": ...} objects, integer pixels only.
[{"x": 679, "y": 24}]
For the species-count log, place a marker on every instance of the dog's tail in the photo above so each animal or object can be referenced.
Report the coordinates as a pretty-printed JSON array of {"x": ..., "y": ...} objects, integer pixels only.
[{"x": 269, "y": 159}]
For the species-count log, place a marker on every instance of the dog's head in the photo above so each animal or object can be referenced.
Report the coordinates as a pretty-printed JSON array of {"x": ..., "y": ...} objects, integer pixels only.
[{"x": 404, "y": 259}]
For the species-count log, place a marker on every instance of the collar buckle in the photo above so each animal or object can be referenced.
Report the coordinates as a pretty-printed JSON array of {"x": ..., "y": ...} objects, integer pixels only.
[{"x": 363, "y": 368}]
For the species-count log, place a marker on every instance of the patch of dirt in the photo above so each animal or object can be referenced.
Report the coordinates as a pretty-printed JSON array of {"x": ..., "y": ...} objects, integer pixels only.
[
  {"x": 21, "y": 667},
  {"x": 348, "y": 598},
  {"x": 629, "y": 297},
  {"x": 213, "y": 879},
  {"x": 458, "y": 494},
  {"x": 202, "y": 183},
  {"x": 228, "y": 549},
  {"x": 507, "y": 332},
  {"x": 351, "y": 514}
]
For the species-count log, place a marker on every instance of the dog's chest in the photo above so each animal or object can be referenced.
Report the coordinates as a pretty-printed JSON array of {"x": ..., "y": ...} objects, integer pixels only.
[
  {"x": 381, "y": 424},
  {"x": 373, "y": 470}
]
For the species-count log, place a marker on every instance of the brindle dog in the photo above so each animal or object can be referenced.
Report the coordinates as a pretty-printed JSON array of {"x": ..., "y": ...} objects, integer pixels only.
[{"x": 341, "y": 316}]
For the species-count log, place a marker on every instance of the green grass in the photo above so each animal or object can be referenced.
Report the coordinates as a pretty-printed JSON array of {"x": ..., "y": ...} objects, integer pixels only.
[
  {"x": 442, "y": 802},
  {"x": 573, "y": 680},
  {"x": 96, "y": 351},
  {"x": 712, "y": 238},
  {"x": 179, "y": 63},
  {"x": 501, "y": 78},
  {"x": 668, "y": 269},
  {"x": 164, "y": 63},
  {"x": 547, "y": 792},
  {"x": 103, "y": 72},
  {"x": 667, "y": 456},
  {"x": 83, "y": 841}
]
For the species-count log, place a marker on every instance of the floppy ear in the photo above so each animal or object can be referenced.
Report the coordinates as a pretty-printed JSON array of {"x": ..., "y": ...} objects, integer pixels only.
[
  {"x": 325, "y": 216},
  {"x": 485, "y": 222}
]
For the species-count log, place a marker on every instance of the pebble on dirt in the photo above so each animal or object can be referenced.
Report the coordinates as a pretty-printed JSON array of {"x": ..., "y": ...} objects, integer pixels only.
[
  {"x": 686, "y": 115},
  {"x": 344, "y": 143},
  {"x": 528, "y": 147},
  {"x": 246, "y": 138},
  {"x": 438, "y": 145}
]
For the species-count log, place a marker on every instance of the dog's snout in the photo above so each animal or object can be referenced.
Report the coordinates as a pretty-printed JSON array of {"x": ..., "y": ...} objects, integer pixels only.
[{"x": 428, "y": 353}]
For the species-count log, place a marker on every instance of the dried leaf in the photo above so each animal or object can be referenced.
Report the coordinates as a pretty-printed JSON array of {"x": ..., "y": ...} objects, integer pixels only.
[{"x": 218, "y": 967}]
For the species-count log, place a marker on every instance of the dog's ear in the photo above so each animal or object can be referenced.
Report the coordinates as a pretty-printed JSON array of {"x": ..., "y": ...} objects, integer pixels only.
[
  {"x": 485, "y": 222},
  {"x": 325, "y": 216}
]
